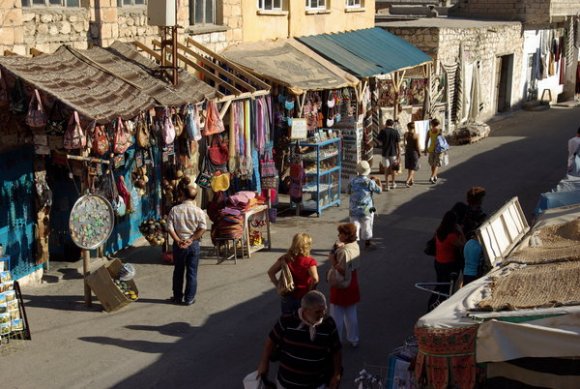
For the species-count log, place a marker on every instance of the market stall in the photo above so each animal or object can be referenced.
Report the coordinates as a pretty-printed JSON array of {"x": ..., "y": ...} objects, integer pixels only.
[
  {"x": 395, "y": 76},
  {"x": 105, "y": 121},
  {"x": 523, "y": 314},
  {"x": 313, "y": 101}
]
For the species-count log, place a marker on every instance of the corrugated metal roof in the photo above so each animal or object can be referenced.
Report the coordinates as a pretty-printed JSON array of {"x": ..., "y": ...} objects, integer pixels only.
[{"x": 368, "y": 52}]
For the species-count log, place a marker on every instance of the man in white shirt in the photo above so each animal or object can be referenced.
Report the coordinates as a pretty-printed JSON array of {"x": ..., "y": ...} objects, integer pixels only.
[
  {"x": 573, "y": 149},
  {"x": 186, "y": 225}
]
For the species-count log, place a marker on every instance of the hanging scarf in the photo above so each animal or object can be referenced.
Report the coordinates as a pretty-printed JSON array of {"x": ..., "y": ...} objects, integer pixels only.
[
  {"x": 311, "y": 327},
  {"x": 247, "y": 134},
  {"x": 232, "y": 140},
  {"x": 260, "y": 125}
]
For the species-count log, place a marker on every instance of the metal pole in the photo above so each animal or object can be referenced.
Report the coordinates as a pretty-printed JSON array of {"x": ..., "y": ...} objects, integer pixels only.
[{"x": 86, "y": 259}]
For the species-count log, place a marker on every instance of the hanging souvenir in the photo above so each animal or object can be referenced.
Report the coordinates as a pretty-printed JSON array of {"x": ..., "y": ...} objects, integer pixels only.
[
  {"x": 213, "y": 120},
  {"x": 99, "y": 139},
  {"x": 191, "y": 122},
  {"x": 74, "y": 137},
  {"x": 177, "y": 123},
  {"x": 167, "y": 128},
  {"x": 123, "y": 139},
  {"x": 142, "y": 132},
  {"x": 218, "y": 151},
  {"x": 36, "y": 117}
]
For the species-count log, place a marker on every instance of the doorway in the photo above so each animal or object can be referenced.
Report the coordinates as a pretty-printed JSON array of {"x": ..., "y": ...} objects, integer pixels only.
[{"x": 504, "y": 75}]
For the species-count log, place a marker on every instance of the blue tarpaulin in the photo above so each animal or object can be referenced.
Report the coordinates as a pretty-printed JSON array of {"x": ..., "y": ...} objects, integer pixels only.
[{"x": 367, "y": 52}]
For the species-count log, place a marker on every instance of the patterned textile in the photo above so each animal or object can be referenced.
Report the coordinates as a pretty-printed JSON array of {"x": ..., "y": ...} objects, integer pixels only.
[{"x": 447, "y": 357}]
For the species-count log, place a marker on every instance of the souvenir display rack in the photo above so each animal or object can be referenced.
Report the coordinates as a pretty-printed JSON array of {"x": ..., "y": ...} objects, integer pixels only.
[
  {"x": 322, "y": 167},
  {"x": 13, "y": 320}
]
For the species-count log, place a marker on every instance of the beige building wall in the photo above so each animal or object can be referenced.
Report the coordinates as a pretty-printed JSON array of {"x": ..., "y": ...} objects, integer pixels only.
[{"x": 295, "y": 20}]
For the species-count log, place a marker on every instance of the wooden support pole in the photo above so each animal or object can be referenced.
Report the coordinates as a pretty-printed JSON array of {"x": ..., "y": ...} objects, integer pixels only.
[{"x": 86, "y": 260}]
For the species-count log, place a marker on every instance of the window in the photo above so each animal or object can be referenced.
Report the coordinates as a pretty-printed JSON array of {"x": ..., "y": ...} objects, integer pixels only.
[
  {"x": 121, "y": 3},
  {"x": 270, "y": 5},
  {"x": 51, "y": 3},
  {"x": 202, "y": 12},
  {"x": 315, "y": 4},
  {"x": 354, "y": 3}
]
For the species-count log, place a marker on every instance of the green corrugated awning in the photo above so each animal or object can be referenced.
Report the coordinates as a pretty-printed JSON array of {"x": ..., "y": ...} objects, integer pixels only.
[{"x": 368, "y": 52}]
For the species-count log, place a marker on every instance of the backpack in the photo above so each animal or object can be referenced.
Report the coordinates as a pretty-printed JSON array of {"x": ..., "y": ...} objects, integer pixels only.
[{"x": 441, "y": 144}]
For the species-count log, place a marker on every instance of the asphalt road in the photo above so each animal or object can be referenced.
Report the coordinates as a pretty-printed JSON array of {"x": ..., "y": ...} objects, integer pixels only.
[{"x": 218, "y": 340}]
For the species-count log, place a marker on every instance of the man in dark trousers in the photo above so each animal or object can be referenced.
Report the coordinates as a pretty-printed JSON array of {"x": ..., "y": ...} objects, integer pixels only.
[
  {"x": 186, "y": 225},
  {"x": 390, "y": 141},
  {"x": 308, "y": 346}
]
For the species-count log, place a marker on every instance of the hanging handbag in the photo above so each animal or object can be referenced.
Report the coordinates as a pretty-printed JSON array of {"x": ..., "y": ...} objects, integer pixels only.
[
  {"x": 267, "y": 165},
  {"x": 191, "y": 124},
  {"x": 74, "y": 137},
  {"x": 56, "y": 123},
  {"x": 122, "y": 137},
  {"x": 18, "y": 98},
  {"x": 99, "y": 139},
  {"x": 218, "y": 151},
  {"x": 204, "y": 177},
  {"x": 167, "y": 128},
  {"x": 36, "y": 117},
  {"x": 220, "y": 182},
  {"x": 142, "y": 132},
  {"x": 213, "y": 120},
  {"x": 285, "y": 282},
  {"x": 178, "y": 125},
  {"x": 118, "y": 203}
]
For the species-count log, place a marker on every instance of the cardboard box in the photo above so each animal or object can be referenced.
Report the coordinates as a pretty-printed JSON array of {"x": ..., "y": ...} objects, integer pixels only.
[{"x": 101, "y": 282}]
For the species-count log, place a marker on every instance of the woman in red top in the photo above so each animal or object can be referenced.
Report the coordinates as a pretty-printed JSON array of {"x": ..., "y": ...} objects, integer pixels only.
[
  {"x": 449, "y": 242},
  {"x": 303, "y": 269}
]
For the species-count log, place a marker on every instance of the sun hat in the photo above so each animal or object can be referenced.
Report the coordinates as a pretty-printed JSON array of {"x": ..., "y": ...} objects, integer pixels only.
[{"x": 363, "y": 168}]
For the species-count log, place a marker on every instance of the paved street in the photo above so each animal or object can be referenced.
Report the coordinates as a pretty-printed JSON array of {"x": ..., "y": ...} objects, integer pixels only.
[{"x": 217, "y": 341}]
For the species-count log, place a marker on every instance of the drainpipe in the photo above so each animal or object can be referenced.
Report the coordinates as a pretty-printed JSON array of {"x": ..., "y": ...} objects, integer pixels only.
[{"x": 289, "y": 20}]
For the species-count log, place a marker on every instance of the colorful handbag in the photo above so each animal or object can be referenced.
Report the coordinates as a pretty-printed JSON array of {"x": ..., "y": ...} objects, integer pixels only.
[
  {"x": 218, "y": 151},
  {"x": 267, "y": 165},
  {"x": 213, "y": 120},
  {"x": 36, "y": 117},
  {"x": 100, "y": 142},
  {"x": 204, "y": 177},
  {"x": 122, "y": 137},
  {"x": 167, "y": 128},
  {"x": 220, "y": 182}
]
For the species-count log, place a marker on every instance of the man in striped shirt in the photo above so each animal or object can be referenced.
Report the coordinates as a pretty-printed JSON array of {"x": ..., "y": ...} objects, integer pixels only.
[{"x": 308, "y": 347}]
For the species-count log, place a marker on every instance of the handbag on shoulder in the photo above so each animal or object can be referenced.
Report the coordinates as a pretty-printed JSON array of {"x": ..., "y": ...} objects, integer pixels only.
[{"x": 285, "y": 282}]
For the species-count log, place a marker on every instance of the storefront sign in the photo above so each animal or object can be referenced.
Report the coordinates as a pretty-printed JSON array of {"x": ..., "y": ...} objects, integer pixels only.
[{"x": 299, "y": 129}]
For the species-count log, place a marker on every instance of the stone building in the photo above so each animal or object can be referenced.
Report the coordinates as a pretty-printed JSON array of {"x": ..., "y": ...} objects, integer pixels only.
[
  {"x": 46, "y": 24},
  {"x": 542, "y": 20},
  {"x": 492, "y": 49}
]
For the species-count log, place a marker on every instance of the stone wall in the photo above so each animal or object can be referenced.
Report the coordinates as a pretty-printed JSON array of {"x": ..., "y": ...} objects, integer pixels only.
[
  {"x": 484, "y": 44},
  {"x": 533, "y": 13}
]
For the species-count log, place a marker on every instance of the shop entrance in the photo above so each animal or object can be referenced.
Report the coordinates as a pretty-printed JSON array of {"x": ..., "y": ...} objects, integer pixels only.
[{"x": 503, "y": 76}]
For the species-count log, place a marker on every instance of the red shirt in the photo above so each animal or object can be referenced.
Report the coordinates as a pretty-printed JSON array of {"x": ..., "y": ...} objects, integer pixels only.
[
  {"x": 302, "y": 280},
  {"x": 446, "y": 251}
]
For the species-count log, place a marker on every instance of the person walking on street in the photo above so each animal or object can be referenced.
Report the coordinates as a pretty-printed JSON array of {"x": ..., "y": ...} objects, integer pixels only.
[
  {"x": 573, "y": 153},
  {"x": 361, "y": 205},
  {"x": 474, "y": 215},
  {"x": 435, "y": 157},
  {"x": 412, "y": 153},
  {"x": 449, "y": 242},
  {"x": 344, "y": 289},
  {"x": 309, "y": 347},
  {"x": 303, "y": 269},
  {"x": 186, "y": 225},
  {"x": 390, "y": 141}
]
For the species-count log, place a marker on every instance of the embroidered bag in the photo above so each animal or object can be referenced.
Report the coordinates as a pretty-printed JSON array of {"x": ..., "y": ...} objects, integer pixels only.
[
  {"x": 74, "y": 137},
  {"x": 204, "y": 177},
  {"x": 56, "y": 123},
  {"x": 267, "y": 165},
  {"x": 167, "y": 128},
  {"x": 213, "y": 120},
  {"x": 122, "y": 137},
  {"x": 118, "y": 203},
  {"x": 285, "y": 282},
  {"x": 36, "y": 117},
  {"x": 218, "y": 151},
  {"x": 100, "y": 141}
]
